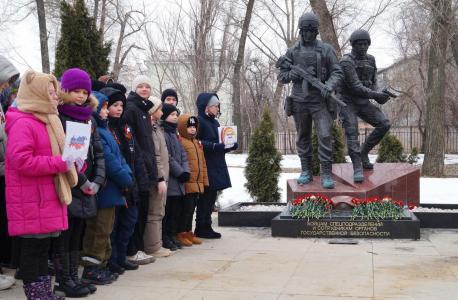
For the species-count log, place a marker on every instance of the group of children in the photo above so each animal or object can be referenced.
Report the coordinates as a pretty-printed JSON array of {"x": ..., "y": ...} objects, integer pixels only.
[{"x": 131, "y": 200}]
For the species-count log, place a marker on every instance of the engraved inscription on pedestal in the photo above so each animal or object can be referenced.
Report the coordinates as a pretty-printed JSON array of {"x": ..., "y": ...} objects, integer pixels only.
[{"x": 345, "y": 229}]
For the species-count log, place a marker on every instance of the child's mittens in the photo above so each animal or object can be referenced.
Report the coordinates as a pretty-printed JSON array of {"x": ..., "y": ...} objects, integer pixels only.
[
  {"x": 218, "y": 146},
  {"x": 81, "y": 165},
  {"x": 90, "y": 188},
  {"x": 69, "y": 161},
  {"x": 184, "y": 177}
]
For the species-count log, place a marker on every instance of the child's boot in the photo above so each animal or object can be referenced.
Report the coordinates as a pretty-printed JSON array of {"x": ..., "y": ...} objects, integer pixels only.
[
  {"x": 194, "y": 239},
  {"x": 183, "y": 239}
]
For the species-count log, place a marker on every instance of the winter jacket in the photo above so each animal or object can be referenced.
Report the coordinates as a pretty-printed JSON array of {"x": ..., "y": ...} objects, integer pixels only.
[
  {"x": 7, "y": 71},
  {"x": 218, "y": 174},
  {"x": 196, "y": 158},
  {"x": 84, "y": 206},
  {"x": 32, "y": 204},
  {"x": 119, "y": 176},
  {"x": 178, "y": 160},
  {"x": 162, "y": 154},
  {"x": 136, "y": 115}
]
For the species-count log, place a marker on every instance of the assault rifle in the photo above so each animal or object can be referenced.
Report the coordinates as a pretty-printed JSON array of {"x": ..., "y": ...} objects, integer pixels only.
[{"x": 307, "y": 77}]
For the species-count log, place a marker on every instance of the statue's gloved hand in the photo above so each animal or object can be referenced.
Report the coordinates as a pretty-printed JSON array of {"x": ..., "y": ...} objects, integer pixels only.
[
  {"x": 326, "y": 91},
  {"x": 295, "y": 76},
  {"x": 380, "y": 97}
]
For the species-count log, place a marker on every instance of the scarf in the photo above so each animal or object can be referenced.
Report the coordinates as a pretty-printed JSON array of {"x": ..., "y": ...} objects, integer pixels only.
[
  {"x": 33, "y": 97},
  {"x": 77, "y": 112},
  {"x": 169, "y": 127}
]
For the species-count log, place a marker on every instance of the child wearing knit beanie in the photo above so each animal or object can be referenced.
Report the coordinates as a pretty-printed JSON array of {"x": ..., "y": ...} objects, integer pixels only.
[
  {"x": 153, "y": 233},
  {"x": 77, "y": 105}
]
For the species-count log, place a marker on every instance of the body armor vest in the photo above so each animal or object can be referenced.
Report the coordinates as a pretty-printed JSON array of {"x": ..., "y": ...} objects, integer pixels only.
[
  {"x": 365, "y": 69},
  {"x": 310, "y": 58}
]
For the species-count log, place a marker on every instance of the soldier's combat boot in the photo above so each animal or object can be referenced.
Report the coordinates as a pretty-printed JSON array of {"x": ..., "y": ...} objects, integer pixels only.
[
  {"x": 326, "y": 175},
  {"x": 358, "y": 175},
  {"x": 306, "y": 174},
  {"x": 367, "y": 165}
]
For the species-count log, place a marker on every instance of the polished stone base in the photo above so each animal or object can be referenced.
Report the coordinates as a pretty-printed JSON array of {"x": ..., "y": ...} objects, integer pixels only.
[
  {"x": 401, "y": 181},
  {"x": 340, "y": 225}
]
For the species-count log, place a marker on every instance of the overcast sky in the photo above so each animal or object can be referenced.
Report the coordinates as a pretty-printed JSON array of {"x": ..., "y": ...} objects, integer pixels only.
[{"x": 21, "y": 42}]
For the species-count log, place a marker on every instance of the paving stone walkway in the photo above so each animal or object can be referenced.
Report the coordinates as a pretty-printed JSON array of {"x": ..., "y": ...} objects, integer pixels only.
[{"x": 247, "y": 263}]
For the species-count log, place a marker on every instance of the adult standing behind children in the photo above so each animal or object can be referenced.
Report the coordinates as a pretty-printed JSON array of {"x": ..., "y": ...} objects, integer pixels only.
[
  {"x": 38, "y": 180},
  {"x": 8, "y": 75},
  {"x": 208, "y": 107},
  {"x": 138, "y": 118}
]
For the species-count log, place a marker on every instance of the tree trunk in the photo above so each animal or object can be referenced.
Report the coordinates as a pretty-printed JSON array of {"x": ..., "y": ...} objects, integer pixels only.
[
  {"x": 117, "y": 65},
  {"x": 236, "y": 114},
  {"x": 454, "y": 41},
  {"x": 103, "y": 13},
  {"x": 327, "y": 30},
  {"x": 43, "y": 36},
  {"x": 96, "y": 10},
  {"x": 433, "y": 164}
]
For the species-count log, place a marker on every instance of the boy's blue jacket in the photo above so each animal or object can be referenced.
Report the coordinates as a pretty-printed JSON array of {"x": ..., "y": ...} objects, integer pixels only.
[{"x": 118, "y": 173}]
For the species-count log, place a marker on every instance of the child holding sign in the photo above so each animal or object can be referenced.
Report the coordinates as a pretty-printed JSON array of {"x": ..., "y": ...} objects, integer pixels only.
[{"x": 77, "y": 105}]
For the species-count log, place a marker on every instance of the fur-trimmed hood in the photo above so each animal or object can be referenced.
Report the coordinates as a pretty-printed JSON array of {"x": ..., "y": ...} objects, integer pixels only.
[{"x": 91, "y": 100}]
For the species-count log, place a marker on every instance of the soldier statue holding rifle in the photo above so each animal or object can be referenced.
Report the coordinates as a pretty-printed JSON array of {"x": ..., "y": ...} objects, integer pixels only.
[
  {"x": 360, "y": 85},
  {"x": 314, "y": 69}
]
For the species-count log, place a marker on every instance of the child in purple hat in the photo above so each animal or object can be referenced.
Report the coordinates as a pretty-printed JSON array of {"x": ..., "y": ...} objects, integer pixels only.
[{"x": 77, "y": 105}]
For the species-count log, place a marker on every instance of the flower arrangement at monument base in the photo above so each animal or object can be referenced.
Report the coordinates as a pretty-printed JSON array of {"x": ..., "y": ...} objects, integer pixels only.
[
  {"x": 311, "y": 206},
  {"x": 375, "y": 208}
]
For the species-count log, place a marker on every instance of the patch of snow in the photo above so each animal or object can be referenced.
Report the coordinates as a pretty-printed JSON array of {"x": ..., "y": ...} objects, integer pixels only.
[
  {"x": 261, "y": 208},
  {"x": 238, "y": 192},
  {"x": 434, "y": 210}
]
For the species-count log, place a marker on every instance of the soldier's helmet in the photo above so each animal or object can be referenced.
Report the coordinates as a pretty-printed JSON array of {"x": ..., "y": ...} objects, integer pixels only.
[
  {"x": 309, "y": 20},
  {"x": 360, "y": 34}
]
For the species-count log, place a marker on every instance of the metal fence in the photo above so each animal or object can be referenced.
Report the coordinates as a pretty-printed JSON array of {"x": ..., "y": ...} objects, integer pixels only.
[{"x": 409, "y": 136}]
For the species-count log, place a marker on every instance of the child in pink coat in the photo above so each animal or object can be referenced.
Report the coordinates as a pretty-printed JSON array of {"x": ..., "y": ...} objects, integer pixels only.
[{"x": 38, "y": 180}]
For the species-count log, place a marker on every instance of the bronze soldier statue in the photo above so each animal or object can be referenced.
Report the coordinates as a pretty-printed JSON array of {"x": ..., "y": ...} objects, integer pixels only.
[
  {"x": 360, "y": 85},
  {"x": 314, "y": 69}
]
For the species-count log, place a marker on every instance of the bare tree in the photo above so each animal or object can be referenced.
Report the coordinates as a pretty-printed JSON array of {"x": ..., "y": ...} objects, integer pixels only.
[
  {"x": 43, "y": 36},
  {"x": 433, "y": 164},
  {"x": 236, "y": 114},
  {"x": 327, "y": 31},
  {"x": 130, "y": 21}
]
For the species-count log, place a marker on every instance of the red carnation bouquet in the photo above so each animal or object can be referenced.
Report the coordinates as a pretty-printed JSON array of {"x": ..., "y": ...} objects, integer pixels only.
[
  {"x": 311, "y": 206},
  {"x": 375, "y": 208}
]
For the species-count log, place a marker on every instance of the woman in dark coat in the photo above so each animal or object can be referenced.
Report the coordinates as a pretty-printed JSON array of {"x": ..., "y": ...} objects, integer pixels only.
[{"x": 214, "y": 151}]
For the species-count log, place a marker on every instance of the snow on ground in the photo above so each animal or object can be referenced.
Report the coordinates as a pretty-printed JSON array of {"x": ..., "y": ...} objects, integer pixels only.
[{"x": 432, "y": 190}]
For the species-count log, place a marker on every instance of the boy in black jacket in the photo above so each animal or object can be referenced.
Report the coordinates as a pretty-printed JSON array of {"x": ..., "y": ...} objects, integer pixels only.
[{"x": 137, "y": 117}]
